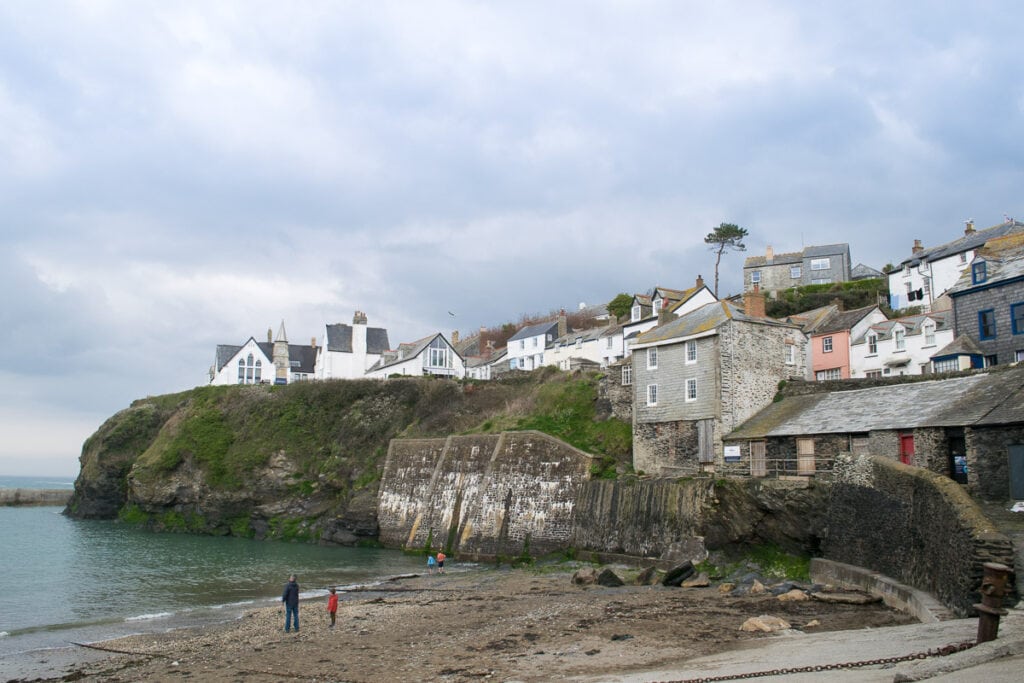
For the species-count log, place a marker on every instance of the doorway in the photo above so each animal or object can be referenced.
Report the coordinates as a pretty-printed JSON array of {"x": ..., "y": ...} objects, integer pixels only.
[
  {"x": 1016, "y": 455},
  {"x": 907, "y": 448}
]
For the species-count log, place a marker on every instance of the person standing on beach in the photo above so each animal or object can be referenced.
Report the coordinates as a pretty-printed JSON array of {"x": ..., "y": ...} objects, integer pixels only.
[
  {"x": 440, "y": 563},
  {"x": 332, "y": 606},
  {"x": 431, "y": 564},
  {"x": 290, "y": 598}
]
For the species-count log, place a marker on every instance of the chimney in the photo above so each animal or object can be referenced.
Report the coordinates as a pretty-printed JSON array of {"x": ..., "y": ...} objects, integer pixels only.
[
  {"x": 753, "y": 303},
  {"x": 969, "y": 227},
  {"x": 312, "y": 342},
  {"x": 563, "y": 324},
  {"x": 769, "y": 254},
  {"x": 917, "y": 247},
  {"x": 455, "y": 336},
  {"x": 359, "y": 318},
  {"x": 700, "y": 282},
  {"x": 270, "y": 336},
  {"x": 664, "y": 316},
  {"x": 838, "y": 303}
]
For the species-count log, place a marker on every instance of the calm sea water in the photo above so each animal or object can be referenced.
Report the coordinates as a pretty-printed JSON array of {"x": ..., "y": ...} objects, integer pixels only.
[{"x": 68, "y": 580}]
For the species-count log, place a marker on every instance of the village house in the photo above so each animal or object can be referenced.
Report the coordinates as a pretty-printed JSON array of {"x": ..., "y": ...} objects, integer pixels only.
[
  {"x": 903, "y": 346},
  {"x": 269, "y": 362},
  {"x": 988, "y": 307},
  {"x": 830, "y": 339},
  {"x": 349, "y": 351},
  {"x": 811, "y": 266},
  {"x": 431, "y": 355},
  {"x": 586, "y": 347},
  {"x": 928, "y": 273},
  {"x": 648, "y": 310},
  {"x": 525, "y": 349},
  {"x": 968, "y": 428},
  {"x": 612, "y": 345},
  {"x": 488, "y": 366},
  {"x": 696, "y": 377}
]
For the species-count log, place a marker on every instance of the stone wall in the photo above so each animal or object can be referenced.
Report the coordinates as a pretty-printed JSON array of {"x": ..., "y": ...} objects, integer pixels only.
[
  {"x": 781, "y": 458},
  {"x": 481, "y": 495},
  {"x": 988, "y": 460},
  {"x": 666, "y": 447},
  {"x": 918, "y": 527},
  {"x": 612, "y": 395}
]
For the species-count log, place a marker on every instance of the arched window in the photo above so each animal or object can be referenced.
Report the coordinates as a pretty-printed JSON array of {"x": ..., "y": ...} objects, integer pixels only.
[{"x": 249, "y": 370}]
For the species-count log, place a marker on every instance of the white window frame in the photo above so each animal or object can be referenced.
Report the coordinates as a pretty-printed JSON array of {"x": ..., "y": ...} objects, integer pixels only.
[
  {"x": 795, "y": 272},
  {"x": 899, "y": 339},
  {"x": 928, "y": 330},
  {"x": 829, "y": 374},
  {"x": 652, "y": 358},
  {"x": 691, "y": 390},
  {"x": 691, "y": 351},
  {"x": 790, "y": 354},
  {"x": 652, "y": 394},
  {"x": 872, "y": 344},
  {"x": 821, "y": 263},
  {"x": 826, "y": 344},
  {"x": 627, "y": 375},
  {"x": 634, "y": 313},
  {"x": 755, "y": 277}
]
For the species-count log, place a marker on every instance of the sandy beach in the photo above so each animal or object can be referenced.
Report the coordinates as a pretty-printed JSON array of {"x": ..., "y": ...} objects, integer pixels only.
[{"x": 494, "y": 624}]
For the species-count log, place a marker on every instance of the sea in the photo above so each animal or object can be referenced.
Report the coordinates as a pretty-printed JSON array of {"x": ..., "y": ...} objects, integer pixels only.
[{"x": 71, "y": 581}]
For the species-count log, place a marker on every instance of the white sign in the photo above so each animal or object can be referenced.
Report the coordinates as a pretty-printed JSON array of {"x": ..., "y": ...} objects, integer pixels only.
[{"x": 732, "y": 453}]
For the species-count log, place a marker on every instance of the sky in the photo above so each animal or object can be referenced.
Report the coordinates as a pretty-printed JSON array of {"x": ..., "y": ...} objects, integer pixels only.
[{"x": 177, "y": 175}]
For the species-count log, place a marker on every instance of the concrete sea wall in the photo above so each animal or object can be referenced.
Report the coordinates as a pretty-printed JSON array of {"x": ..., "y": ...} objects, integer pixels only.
[{"x": 41, "y": 497}]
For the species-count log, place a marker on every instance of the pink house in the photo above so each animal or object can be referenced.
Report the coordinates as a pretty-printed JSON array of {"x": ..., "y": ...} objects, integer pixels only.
[{"x": 831, "y": 332}]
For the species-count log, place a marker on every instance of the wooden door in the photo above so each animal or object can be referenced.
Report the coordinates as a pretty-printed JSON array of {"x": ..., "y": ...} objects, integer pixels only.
[
  {"x": 758, "y": 466},
  {"x": 706, "y": 441},
  {"x": 805, "y": 456},
  {"x": 907, "y": 449}
]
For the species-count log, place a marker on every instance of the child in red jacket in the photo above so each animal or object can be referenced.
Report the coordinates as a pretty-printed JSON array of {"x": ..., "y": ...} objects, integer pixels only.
[{"x": 332, "y": 606}]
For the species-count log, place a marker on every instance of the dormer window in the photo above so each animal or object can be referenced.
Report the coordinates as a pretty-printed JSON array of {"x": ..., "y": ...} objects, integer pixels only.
[
  {"x": 657, "y": 303},
  {"x": 979, "y": 272},
  {"x": 635, "y": 313},
  {"x": 899, "y": 336},
  {"x": 928, "y": 329},
  {"x": 872, "y": 344}
]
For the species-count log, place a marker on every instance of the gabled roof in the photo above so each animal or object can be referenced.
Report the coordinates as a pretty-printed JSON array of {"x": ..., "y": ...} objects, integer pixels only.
[
  {"x": 593, "y": 334},
  {"x": 839, "y": 321},
  {"x": 965, "y": 243},
  {"x": 956, "y": 402},
  {"x": 705, "y": 319},
  {"x": 810, "y": 321},
  {"x": 535, "y": 330},
  {"x": 338, "y": 337},
  {"x": 794, "y": 257},
  {"x": 477, "y": 361},
  {"x": 911, "y": 324},
  {"x": 407, "y": 350},
  {"x": 862, "y": 272},
  {"x": 303, "y": 357},
  {"x": 1004, "y": 262},
  {"x": 961, "y": 346}
]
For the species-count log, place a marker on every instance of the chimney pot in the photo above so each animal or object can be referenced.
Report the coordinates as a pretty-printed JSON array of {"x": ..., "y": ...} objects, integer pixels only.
[
  {"x": 359, "y": 318},
  {"x": 455, "y": 336},
  {"x": 563, "y": 324},
  {"x": 312, "y": 342},
  {"x": 969, "y": 227},
  {"x": 270, "y": 335},
  {"x": 917, "y": 247},
  {"x": 769, "y": 254},
  {"x": 700, "y": 282}
]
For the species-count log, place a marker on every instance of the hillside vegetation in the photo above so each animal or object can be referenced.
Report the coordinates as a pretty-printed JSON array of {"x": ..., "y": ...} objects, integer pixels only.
[{"x": 302, "y": 461}]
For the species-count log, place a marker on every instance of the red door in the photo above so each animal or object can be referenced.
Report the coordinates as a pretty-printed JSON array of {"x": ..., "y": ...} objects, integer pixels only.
[{"x": 907, "y": 449}]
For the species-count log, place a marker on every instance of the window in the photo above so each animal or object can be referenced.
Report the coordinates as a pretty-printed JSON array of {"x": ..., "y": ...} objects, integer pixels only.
[
  {"x": 794, "y": 272},
  {"x": 831, "y": 373},
  {"x": 652, "y": 394},
  {"x": 872, "y": 344},
  {"x": 579, "y": 342},
  {"x": 826, "y": 345},
  {"x": 608, "y": 342},
  {"x": 790, "y": 354},
  {"x": 899, "y": 337},
  {"x": 979, "y": 273},
  {"x": 1017, "y": 318},
  {"x": 821, "y": 280},
  {"x": 991, "y": 360},
  {"x": 946, "y": 365},
  {"x": 821, "y": 264},
  {"x": 1018, "y": 356},
  {"x": 691, "y": 390},
  {"x": 691, "y": 352},
  {"x": 250, "y": 371},
  {"x": 627, "y": 375},
  {"x": 873, "y": 373},
  {"x": 928, "y": 329},
  {"x": 522, "y": 343},
  {"x": 635, "y": 313},
  {"x": 922, "y": 267},
  {"x": 534, "y": 342},
  {"x": 987, "y": 324},
  {"x": 652, "y": 358},
  {"x": 439, "y": 354},
  {"x": 755, "y": 277},
  {"x": 963, "y": 257},
  {"x": 656, "y": 302},
  {"x": 906, "y": 270},
  {"x": 805, "y": 457}
]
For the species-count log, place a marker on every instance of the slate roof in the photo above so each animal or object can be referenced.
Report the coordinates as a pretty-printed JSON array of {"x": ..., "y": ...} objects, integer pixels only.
[
  {"x": 592, "y": 334},
  {"x": 809, "y": 321},
  {"x": 544, "y": 328},
  {"x": 912, "y": 325},
  {"x": 407, "y": 350},
  {"x": 961, "y": 346},
  {"x": 862, "y": 272},
  {"x": 477, "y": 361},
  {"x": 965, "y": 243},
  {"x": 704, "y": 319},
  {"x": 793, "y": 257},
  {"x": 1004, "y": 262},
  {"x": 304, "y": 354},
  {"x": 339, "y": 338},
  {"x": 956, "y": 402},
  {"x": 838, "y": 321}
]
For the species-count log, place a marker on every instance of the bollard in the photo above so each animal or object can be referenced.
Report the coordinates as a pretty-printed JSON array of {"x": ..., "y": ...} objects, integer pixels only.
[{"x": 993, "y": 590}]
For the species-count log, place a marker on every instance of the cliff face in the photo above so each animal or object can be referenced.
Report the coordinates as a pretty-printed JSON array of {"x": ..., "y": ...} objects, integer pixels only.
[{"x": 302, "y": 462}]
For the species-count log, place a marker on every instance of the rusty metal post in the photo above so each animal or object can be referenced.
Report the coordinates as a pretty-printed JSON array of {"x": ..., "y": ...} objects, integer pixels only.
[{"x": 993, "y": 590}]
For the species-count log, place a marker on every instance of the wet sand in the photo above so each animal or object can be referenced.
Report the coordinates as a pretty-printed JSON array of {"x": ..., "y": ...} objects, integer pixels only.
[{"x": 496, "y": 624}]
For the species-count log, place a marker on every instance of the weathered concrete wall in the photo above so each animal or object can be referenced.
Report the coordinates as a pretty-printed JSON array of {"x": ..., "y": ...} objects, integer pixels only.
[
  {"x": 483, "y": 495},
  {"x": 916, "y": 526},
  {"x": 41, "y": 497}
]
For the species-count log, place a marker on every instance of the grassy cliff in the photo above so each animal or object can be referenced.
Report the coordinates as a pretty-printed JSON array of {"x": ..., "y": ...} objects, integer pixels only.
[{"x": 302, "y": 461}]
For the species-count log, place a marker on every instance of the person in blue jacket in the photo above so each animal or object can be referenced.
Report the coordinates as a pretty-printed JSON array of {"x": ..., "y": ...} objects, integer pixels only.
[{"x": 290, "y": 598}]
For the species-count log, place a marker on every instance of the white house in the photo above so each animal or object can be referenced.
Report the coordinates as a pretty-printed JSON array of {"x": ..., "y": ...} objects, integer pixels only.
[
  {"x": 349, "y": 351},
  {"x": 645, "y": 311},
  {"x": 902, "y": 346},
  {"x": 486, "y": 367},
  {"x": 269, "y": 362},
  {"x": 525, "y": 349},
  {"x": 585, "y": 344},
  {"x": 432, "y": 355},
  {"x": 612, "y": 345},
  {"x": 930, "y": 272}
]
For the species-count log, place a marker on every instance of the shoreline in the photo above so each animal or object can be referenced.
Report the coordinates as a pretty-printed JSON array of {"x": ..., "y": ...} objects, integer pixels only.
[{"x": 522, "y": 624}]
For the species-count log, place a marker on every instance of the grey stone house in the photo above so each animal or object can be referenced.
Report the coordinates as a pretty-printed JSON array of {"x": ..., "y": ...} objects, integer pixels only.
[
  {"x": 696, "y": 377},
  {"x": 811, "y": 266},
  {"x": 940, "y": 425},
  {"x": 988, "y": 307}
]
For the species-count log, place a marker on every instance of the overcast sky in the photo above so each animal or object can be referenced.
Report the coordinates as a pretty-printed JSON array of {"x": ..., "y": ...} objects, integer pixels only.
[{"x": 175, "y": 175}]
